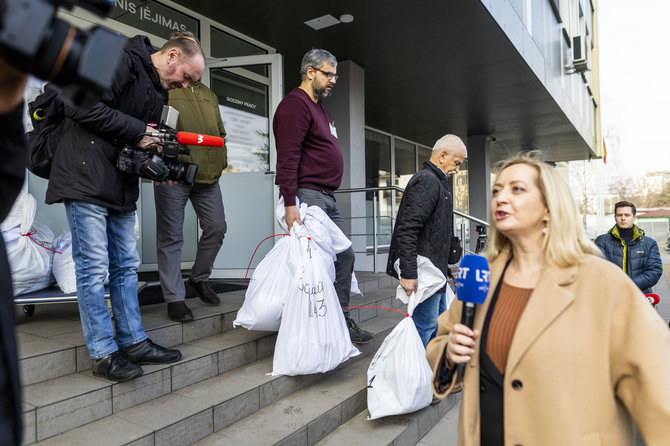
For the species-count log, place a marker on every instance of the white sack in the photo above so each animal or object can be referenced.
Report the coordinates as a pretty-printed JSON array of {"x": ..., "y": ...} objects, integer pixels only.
[
  {"x": 269, "y": 287},
  {"x": 354, "y": 285},
  {"x": 30, "y": 257},
  {"x": 313, "y": 336},
  {"x": 63, "y": 264},
  {"x": 430, "y": 280},
  {"x": 399, "y": 376}
]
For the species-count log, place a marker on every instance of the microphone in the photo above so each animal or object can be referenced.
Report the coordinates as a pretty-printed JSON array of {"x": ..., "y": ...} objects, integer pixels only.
[
  {"x": 472, "y": 286},
  {"x": 196, "y": 139}
]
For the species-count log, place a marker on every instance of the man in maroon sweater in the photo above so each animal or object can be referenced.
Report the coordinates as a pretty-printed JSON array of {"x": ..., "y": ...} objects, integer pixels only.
[{"x": 310, "y": 163}]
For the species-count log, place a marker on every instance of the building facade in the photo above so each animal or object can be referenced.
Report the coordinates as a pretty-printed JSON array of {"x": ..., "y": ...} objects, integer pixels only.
[{"x": 504, "y": 75}]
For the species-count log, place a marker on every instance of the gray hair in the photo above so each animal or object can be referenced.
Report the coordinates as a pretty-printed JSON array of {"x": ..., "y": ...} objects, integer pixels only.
[
  {"x": 450, "y": 143},
  {"x": 316, "y": 58}
]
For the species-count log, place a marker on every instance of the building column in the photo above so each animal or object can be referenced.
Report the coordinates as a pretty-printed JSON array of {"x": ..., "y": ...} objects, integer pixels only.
[
  {"x": 347, "y": 108},
  {"x": 479, "y": 181}
]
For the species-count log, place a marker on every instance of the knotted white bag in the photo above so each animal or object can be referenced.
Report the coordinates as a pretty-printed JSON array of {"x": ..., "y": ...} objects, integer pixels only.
[
  {"x": 269, "y": 287},
  {"x": 63, "y": 264},
  {"x": 399, "y": 376},
  {"x": 430, "y": 279},
  {"x": 313, "y": 336},
  {"x": 28, "y": 245}
]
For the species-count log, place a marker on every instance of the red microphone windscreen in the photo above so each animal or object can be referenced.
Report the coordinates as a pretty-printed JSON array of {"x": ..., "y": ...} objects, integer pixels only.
[{"x": 196, "y": 139}]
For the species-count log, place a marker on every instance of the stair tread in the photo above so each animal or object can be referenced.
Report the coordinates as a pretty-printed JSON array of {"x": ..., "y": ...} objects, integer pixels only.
[
  {"x": 296, "y": 411},
  {"x": 248, "y": 381}
]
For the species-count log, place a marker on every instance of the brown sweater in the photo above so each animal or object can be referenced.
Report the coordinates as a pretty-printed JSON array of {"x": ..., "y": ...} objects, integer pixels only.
[{"x": 506, "y": 314}]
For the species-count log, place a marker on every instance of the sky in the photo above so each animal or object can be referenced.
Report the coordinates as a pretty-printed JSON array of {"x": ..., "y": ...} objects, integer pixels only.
[{"x": 634, "y": 43}]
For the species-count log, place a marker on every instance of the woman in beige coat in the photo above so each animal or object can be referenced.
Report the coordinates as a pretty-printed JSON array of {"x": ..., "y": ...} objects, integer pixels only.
[{"x": 566, "y": 348}]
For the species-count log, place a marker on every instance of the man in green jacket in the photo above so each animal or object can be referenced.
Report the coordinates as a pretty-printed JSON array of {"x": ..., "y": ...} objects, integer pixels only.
[{"x": 199, "y": 112}]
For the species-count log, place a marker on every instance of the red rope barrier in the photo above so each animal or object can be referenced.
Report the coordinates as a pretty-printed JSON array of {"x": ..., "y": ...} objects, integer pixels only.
[
  {"x": 30, "y": 234},
  {"x": 258, "y": 246}
]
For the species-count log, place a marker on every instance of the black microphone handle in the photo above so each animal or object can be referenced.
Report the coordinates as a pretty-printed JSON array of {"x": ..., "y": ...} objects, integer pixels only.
[{"x": 467, "y": 319}]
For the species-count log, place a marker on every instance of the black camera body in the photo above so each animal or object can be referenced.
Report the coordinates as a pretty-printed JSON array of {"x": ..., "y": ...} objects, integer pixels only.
[
  {"x": 36, "y": 42},
  {"x": 158, "y": 166}
]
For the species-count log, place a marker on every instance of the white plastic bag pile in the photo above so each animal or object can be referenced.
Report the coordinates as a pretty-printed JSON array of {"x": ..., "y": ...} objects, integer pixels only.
[
  {"x": 269, "y": 287},
  {"x": 63, "y": 264},
  {"x": 399, "y": 376},
  {"x": 29, "y": 247},
  {"x": 313, "y": 335}
]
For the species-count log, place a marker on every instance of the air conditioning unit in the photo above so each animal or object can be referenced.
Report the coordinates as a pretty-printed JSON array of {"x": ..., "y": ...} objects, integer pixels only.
[{"x": 579, "y": 55}]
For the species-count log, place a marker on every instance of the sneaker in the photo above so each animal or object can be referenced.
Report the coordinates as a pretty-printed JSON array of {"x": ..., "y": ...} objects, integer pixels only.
[
  {"x": 205, "y": 292},
  {"x": 146, "y": 352},
  {"x": 179, "y": 312},
  {"x": 357, "y": 335},
  {"x": 116, "y": 368}
]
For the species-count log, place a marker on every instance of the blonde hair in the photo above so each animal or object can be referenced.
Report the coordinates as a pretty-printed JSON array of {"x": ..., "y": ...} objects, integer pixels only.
[{"x": 565, "y": 243}]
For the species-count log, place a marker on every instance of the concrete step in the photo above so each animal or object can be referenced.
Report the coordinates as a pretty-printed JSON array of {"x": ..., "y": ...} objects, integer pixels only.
[
  {"x": 399, "y": 430},
  {"x": 70, "y": 401},
  {"x": 445, "y": 432},
  {"x": 195, "y": 411},
  {"x": 51, "y": 343}
]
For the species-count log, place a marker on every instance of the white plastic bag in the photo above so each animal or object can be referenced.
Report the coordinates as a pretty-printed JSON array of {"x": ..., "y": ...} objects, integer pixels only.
[
  {"x": 313, "y": 336},
  {"x": 430, "y": 279},
  {"x": 354, "y": 285},
  {"x": 28, "y": 245},
  {"x": 269, "y": 287},
  {"x": 399, "y": 376},
  {"x": 63, "y": 264},
  {"x": 326, "y": 234}
]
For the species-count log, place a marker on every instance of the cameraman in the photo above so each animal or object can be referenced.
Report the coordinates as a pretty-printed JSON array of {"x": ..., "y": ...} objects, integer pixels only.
[
  {"x": 12, "y": 171},
  {"x": 100, "y": 200}
]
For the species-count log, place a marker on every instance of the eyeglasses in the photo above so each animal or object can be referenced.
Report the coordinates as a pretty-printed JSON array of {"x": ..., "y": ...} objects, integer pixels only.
[{"x": 328, "y": 74}]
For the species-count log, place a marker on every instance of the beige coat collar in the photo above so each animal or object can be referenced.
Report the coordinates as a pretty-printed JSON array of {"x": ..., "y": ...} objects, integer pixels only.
[{"x": 547, "y": 301}]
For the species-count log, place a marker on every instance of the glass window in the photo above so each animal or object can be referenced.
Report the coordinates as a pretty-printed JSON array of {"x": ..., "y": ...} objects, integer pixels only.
[
  {"x": 243, "y": 104},
  {"x": 227, "y": 45},
  {"x": 378, "y": 174},
  {"x": 423, "y": 155},
  {"x": 405, "y": 162}
]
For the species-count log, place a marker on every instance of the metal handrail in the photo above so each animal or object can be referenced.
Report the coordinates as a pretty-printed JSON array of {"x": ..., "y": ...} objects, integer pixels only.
[{"x": 375, "y": 217}]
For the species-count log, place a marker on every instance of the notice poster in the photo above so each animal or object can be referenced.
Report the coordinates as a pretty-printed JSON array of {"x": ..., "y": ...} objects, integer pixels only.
[{"x": 247, "y": 140}]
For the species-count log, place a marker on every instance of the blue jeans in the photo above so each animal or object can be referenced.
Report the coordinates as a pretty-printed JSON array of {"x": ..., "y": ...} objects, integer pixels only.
[
  {"x": 103, "y": 241},
  {"x": 425, "y": 316}
]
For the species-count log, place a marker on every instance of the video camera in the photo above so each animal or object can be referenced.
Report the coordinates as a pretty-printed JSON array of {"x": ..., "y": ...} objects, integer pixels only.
[
  {"x": 162, "y": 166},
  {"x": 82, "y": 62}
]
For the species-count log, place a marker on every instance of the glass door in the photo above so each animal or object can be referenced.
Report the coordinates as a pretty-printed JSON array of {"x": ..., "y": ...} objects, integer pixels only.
[{"x": 249, "y": 89}]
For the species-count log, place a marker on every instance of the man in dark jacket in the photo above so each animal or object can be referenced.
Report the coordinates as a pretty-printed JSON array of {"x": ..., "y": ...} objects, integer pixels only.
[
  {"x": 626, "y": 245},
  {"x": 424, "y": 226},
  {"x": 199, "y": 112},
  {"x": 12, "y": 171},
  {"x": 100, "y": 199}
]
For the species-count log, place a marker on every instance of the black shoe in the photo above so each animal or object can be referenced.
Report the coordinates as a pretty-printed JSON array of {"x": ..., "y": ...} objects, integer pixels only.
[
  {"x": 146, "y": 352},
  {"x": 205, "y": 292},
  {"x": 357, "y": 335},
  {"x": 116, "y": 368},
  {"x": 179, "y": 312}
]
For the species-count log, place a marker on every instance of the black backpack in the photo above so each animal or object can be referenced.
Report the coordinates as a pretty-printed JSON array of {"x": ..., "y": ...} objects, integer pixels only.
[{"x": 47, "y": 114}]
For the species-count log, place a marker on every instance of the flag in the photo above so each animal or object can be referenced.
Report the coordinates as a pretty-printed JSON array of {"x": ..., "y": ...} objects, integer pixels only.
[{"x": 604, "y": 152}]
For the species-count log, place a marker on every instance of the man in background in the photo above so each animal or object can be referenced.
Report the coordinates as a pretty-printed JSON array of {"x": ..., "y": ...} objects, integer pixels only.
[
  {"x": 100, "y": 199},
  {"x": 627, "y": 246},
  {"x": 12, "y": 172},
  {"x": 199, "y": 112},
  {"x": 424, "y": 226},
  {"x": 310, "y": 164}
]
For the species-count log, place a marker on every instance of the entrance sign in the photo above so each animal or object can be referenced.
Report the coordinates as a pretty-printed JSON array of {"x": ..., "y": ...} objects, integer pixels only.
[{"x": 153, "y": 17}]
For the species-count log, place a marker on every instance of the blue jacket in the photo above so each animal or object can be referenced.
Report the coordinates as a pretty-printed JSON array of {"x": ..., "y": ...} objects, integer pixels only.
[{"x": 640, "y": 259}]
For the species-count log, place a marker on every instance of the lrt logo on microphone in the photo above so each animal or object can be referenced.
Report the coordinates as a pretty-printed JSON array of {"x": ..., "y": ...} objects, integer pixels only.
[
  {"x": 201, "y": 138},
  {"x": 480, "y": 275}
]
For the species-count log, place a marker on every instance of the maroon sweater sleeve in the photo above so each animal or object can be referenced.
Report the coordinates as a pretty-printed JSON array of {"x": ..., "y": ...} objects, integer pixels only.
[{"x": 291, "y": 124}]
